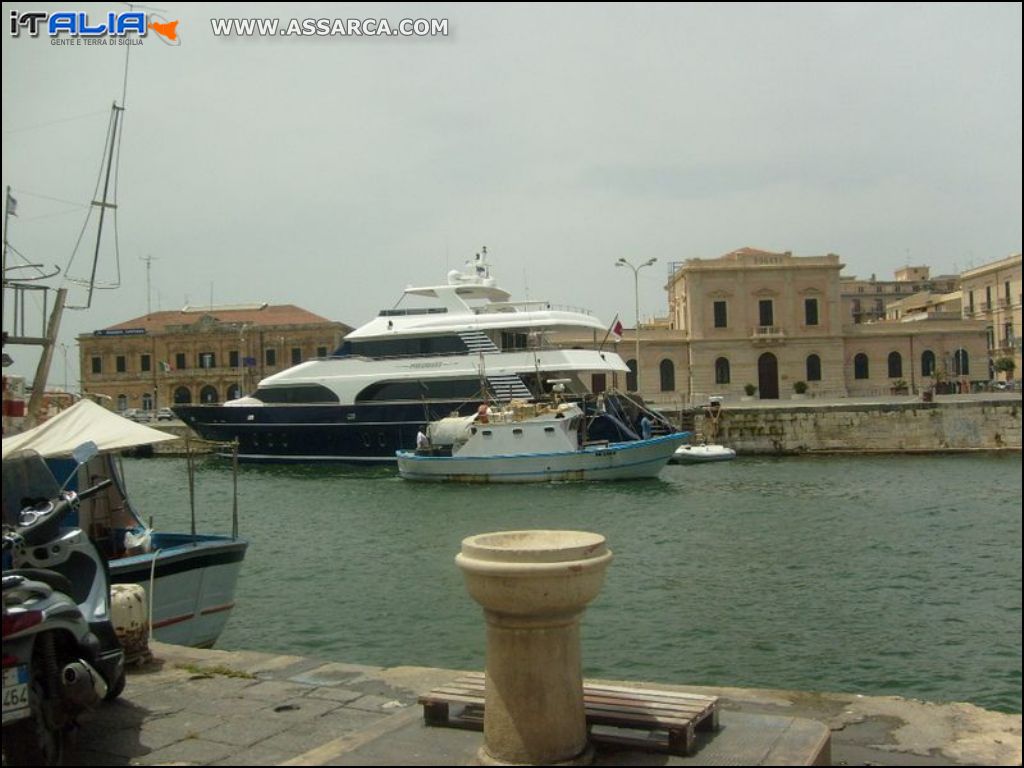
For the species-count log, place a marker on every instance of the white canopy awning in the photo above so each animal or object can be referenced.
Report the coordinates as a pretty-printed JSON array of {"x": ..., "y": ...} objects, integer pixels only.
[{"x": 83, "y": 421}]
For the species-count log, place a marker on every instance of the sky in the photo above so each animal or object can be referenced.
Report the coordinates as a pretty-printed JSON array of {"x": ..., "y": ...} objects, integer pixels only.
[{"x": 331, "y": 172}]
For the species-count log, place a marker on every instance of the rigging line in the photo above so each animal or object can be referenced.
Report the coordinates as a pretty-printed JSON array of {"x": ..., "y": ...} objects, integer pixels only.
[
  {"x": 10, "y": 131},
  {"x": 21, "y": 191},
  {"x": 111, "y": 125},
  {"x": 88, "y": 215}
]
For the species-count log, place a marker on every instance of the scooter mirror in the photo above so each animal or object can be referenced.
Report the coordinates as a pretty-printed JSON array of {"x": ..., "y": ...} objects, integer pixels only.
[{"x": 81, "y": 454}]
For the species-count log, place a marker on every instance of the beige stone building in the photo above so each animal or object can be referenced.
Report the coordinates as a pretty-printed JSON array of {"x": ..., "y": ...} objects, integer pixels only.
[
  {"x": 864, "y": 301},
  {"x": 773, "y": 323},
  {"x": 204, "y": 355},
  {"x": 992, "y": 294}
]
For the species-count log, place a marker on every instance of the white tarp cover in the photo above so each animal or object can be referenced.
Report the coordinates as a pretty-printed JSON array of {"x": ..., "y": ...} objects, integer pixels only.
[{"x": 83, "y": 421}]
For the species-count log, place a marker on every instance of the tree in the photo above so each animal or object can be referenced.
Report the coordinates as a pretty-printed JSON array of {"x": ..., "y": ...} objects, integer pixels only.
[{"x": 1005, "y": 365}]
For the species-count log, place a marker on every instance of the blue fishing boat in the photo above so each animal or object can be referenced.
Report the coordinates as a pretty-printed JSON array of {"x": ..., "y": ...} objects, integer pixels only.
[{"x": 189, "y": 578}]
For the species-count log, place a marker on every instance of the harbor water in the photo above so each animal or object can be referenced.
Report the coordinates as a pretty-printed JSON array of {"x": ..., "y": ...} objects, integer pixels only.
[{"x": 894, "y": 575}]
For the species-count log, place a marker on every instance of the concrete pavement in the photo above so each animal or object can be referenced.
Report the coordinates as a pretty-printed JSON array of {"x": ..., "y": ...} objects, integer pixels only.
[{"x": 214, "y": 707}]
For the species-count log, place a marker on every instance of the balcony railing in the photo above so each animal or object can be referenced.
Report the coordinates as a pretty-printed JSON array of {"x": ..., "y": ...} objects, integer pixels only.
[{"x": 767, "y": 333}]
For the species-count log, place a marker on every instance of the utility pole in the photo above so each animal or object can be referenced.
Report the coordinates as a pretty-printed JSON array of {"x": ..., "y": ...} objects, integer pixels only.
[{"x": 149, "y": 293}]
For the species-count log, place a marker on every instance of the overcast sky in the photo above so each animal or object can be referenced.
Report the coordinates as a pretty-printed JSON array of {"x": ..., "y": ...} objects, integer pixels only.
[{"x": 332, "y": 172}]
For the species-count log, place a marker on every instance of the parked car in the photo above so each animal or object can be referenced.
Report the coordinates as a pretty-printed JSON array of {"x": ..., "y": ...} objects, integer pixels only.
[{"x": 165, "y": 414}]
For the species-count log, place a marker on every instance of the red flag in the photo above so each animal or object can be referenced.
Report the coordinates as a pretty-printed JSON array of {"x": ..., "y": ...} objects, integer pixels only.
[{"x": 617, "y": 330}]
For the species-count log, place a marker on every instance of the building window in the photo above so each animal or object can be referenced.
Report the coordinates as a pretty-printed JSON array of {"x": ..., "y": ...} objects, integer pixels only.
[
  {"x": 208, "y": 394},
  {"x": 145, "y": 364},
  {"x": 270, "y": 356},
  {"x": 970, "y": 302},
  {"x": 97, "y": 365},
  {"x": 810, "y": 311},
  {"x": 321, "y": 351},
  {"x": 927, "y": 363},
  {"x": 147, "y": 401},
  {"x": 122, "y": 402},
  {"x": 721, "y": 315},
  {"x": 234, "y": 392},
  {"x": 766, "y": 313},
  {"x": 1006, "y": 292},
  {"x": 1008, "y": 334},
  {"x": 988, "y": 297},
  {"x": 182, "y": 395},
  {"x": 179, "y": 363},
  {"x": 722, "y": 371},
  {"x": 296, "y": 355},
  {"x": 990, "y": 332},
  {"x": 631, "y": 376},
  {"x": 961, "y": 363},
  {"x": 813, "y": 368},
  {"x": 121, "y": 363},
  {"x": 860, "y": 366},
  {"x": 668, "y": 376},
  {"x": 207, "y": 360},
  {"x": 895, "y": 365},
  {"x": 233, "y": 358}
]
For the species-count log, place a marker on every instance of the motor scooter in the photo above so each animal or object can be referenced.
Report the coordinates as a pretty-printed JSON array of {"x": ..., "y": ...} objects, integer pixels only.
[{"x": 61, "y": 655}]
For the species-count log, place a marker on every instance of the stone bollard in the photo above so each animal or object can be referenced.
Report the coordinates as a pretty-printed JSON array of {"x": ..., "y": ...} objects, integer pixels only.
[
  {"x": 534, "y": 587},
  {"x": 129, "y": 613}
]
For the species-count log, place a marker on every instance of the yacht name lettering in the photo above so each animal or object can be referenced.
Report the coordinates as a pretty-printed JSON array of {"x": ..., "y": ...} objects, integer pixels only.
[{"x": 426, "y": 365}]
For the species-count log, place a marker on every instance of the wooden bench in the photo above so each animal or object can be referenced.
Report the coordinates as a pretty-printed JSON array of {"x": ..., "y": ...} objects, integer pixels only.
[{"x": 663, "y": 721}]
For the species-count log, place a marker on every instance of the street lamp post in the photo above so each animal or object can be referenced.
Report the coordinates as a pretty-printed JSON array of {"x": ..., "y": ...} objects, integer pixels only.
[{"x": 636, "y": 303}]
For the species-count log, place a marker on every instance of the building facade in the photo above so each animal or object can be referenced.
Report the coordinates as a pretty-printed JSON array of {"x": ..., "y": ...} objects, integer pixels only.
[
  {"x": 758, "y": 324},
  {"x": 199, "y": 355},
  {"x": 992, "y": 294}
]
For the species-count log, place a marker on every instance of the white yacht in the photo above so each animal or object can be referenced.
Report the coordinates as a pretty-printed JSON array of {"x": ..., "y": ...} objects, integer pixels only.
[{"x": 413, "y": 365}]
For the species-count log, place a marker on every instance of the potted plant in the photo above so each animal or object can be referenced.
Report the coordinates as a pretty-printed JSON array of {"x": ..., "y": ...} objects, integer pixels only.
[
  {"x": 800, "y": 387},
  {"x": 900, "y": 387},
  {"x": 750, "y": 389},
  {"x": 1005, "y": 365}
]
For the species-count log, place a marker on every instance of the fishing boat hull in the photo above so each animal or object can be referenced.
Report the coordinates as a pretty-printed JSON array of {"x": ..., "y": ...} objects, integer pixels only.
[
  {"x": 702, "y": 454},
  {"x": 612, "y": 461},
  {"x": 189, "y": 582}
]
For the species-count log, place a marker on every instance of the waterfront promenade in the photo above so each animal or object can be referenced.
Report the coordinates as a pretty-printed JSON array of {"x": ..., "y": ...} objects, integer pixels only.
[{"x": 214, "y": 707}]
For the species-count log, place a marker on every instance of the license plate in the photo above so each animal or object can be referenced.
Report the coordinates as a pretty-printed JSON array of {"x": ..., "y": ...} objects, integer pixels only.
[{"x": 15, "y": 693}]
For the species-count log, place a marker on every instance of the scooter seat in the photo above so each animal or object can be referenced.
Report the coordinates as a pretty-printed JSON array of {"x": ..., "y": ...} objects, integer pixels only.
[{"x": 56, "y": 581}]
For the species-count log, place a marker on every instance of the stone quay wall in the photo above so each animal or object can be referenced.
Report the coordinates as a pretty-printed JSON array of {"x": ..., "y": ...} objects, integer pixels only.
[{"x": 887, "y": 427}]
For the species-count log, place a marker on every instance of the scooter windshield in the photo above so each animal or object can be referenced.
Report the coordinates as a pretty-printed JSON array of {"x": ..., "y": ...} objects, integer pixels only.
[{"x": 26, "y": 480}]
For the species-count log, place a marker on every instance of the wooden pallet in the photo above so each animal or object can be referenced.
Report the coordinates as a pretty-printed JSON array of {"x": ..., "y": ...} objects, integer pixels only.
[{"x": 662, "y": 721}]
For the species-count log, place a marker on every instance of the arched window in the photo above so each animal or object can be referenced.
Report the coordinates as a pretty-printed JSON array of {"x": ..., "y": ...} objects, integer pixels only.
[
  {"x": 813, "y": 368},
  {"x": 631, "y": 376},
  {"x": 668, "y": 375},
  {"x": 208, "y": 394},
  {"x": 961, "y": 363},
  {"x": 895, "y": 365},
  {"x": 927, "y": 363},
  {"x": 860, "y": 366},
  {"x": 234, "y": 392},
  {"x": 182, "y": 395},
  {"x": 722, "y": 371},
  {"x": 122, "y": 402}
]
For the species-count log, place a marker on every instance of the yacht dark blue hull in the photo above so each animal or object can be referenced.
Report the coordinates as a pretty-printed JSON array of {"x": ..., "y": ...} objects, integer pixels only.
[{"x": 363, "y": 433}]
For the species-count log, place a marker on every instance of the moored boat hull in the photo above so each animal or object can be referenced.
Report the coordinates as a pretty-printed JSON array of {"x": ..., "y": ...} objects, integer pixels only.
[
  {"x": 702, "y": 454},
  {"x": 191, "y": 583},
  {"x": 614, "y": 461}
]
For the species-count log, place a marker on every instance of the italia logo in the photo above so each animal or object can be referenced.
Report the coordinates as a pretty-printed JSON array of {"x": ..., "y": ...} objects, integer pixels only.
[{"x": 78, "y": 24}]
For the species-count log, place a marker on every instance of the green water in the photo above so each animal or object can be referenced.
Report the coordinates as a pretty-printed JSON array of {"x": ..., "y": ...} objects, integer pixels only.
[{"x": 876, "y": 575}]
